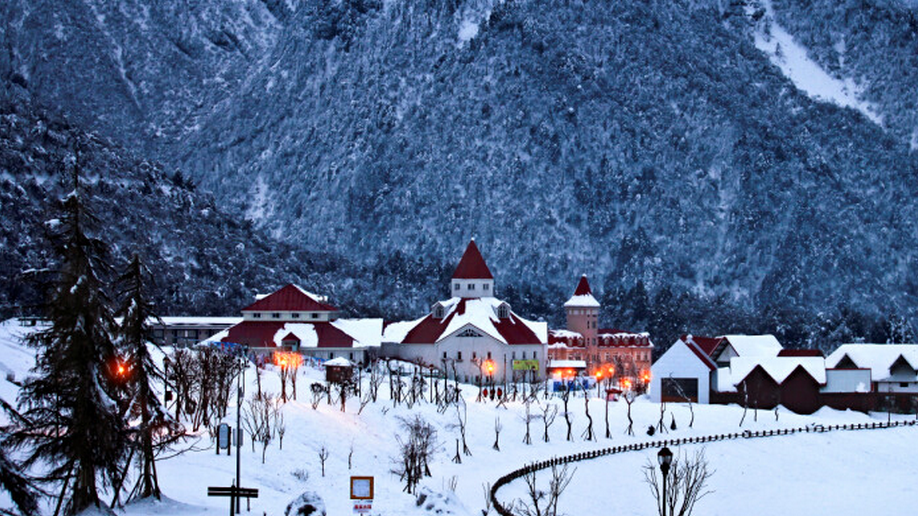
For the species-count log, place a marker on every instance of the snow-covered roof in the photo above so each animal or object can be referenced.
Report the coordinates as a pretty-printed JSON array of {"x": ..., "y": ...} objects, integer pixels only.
[
  {"x": 339, "y": 362},
  {"x": 754, "y": 345},
  {"x": 566, "y": 364},
  {"x": 199, "y": 321},
  {"x": 779, "y": 368},
  {"x": 876, "y": 357},
  {"x": 396, "y": 331},
  {"x": 583, "y": 296},
  {"x": 367, "y": 332},
  {"x": 290, "y": 298},
  {"x": 480, "y": 313}
]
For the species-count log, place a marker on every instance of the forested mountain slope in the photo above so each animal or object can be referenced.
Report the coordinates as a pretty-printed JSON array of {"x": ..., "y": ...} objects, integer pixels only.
[{"x": 649, "y": 144}]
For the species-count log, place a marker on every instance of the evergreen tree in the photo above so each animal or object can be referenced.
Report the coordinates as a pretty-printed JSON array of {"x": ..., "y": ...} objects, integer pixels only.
[
  {"x": 136, "y": 311},
  {"x": 71, "y": 423},
  {"x": 12, "y": 479}
]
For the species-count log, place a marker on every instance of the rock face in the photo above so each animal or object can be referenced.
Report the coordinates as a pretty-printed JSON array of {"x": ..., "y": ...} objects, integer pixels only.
[{"x": 648, "y": 144}]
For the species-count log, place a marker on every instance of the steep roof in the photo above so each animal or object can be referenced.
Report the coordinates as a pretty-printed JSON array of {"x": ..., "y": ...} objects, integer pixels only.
[
  {"x": 291, "y": 298},
  {"x": 879, "y": 358},
  {"x": 583, "y": 296},
  {"x": 342, "y": 333},
  {"x": 701, "y": 354},
  {"x": 472, "y": 264},
  {"x": 706, "y": 344},
  {"x": 779, "y": 368},
  {"x": 754, "y": 345},
  {"x": 481, "y": 313}
]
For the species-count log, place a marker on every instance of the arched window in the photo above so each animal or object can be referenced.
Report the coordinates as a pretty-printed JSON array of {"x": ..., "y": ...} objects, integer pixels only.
[{"x": 503, "y": 312}]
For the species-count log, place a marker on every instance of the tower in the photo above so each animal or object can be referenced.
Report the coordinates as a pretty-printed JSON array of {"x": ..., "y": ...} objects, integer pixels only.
[
  {"x": 472, "y": 278},
  {"x": 582, "y": 312}
]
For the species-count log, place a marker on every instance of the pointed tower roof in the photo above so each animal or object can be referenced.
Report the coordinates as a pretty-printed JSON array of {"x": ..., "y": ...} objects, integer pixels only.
[
  {"x": 472, "y": 265},
  {"x": 583, "y": 296}
]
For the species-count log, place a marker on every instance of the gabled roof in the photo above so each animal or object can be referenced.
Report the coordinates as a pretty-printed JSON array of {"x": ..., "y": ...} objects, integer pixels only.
[
  {"x": 700, "y": 353},
  {"x": 480, "y": 313},
  {"x": 291, "y": 298},
  {"x": 879, "y": 358},
  {"x": 706, "y": 344},
  {"x": 583, "y": 296},
  {"x": 754, "y": 345},
  {"x": 778, "y": 368},
  {"x": 342, "y": 333},
  {"x": 472, "y": 264}
]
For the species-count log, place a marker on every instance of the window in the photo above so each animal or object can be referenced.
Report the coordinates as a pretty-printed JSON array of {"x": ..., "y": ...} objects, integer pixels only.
[
  {"x": 331, "y": 355},
  {"x": 524, "y": 355},
  {"x": 295, "y": 315},
  {"x": 275, "y": 315},
  {"x": 474, "y": 355},
  {"x": 502, "y": 312},
  {"x": 350, "y": 356},
  {"x": 315, "y": 315},
  {"x": 256, "y": 315},
  {"x": 486, "y": 286},
  {"x": 489, "y": 355},
  {"x": 459, "y": 356},
  {"x": 444, "y": 355},
  {"x": 513, "y": 355},
  {"x": 903, "y": 384},
  {"x": 535, "y": 355},
  {"x": 471, "y": 286},
  {"x": 438, "y": 312},
  {"x": 456, "y": 286}
]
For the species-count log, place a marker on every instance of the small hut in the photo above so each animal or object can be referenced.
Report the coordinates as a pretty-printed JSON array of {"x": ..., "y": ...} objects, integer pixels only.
[{"x": 339, "y": 370}]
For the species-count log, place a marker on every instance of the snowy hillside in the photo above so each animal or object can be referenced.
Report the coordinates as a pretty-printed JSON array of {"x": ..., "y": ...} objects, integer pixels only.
[{"x": 841, "y": 473}]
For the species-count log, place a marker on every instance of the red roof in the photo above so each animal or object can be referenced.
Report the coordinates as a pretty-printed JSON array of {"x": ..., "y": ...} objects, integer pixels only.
[
  {"x": 260, "y": 334},
  {"x": 472, "y": 265},
  {"x": 289, "y": 299},
  {"x": 706, "y": 344},
  {"x": 583, "y": 287},
  {"x": 701, "y": 354},
  {"x": 800, "y": 353},
  {"x": 513, "y": 329}
]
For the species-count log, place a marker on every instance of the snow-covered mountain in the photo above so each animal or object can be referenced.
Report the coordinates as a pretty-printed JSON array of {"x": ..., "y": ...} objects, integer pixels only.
[{"x": 656, "y": 146}]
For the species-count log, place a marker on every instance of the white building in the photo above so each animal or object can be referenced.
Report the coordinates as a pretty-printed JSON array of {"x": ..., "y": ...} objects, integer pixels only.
[
  {"x": 892, "y": 366},
  {"x": 684, "y": 371},
  {"x": 471, "y": 328}
]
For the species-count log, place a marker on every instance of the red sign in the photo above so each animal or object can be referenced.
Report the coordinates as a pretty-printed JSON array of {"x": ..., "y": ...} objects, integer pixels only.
[{"x": 363, "y": 506}]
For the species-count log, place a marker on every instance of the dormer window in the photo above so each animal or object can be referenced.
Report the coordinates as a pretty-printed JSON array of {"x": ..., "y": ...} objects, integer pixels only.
[
  {"x": 438, "y": 312},
  {"x": 503, "y": 312}
]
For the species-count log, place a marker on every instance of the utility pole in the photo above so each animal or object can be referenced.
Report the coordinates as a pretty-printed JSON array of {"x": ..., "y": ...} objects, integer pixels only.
[{"x": 240, "y": 395}]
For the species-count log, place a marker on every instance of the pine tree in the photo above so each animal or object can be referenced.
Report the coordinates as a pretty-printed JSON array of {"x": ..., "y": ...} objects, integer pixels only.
[
  {"x": 136, "y": 311},
  {"x": 13, "y": 480},
  {"x": 71, "y": 423}
]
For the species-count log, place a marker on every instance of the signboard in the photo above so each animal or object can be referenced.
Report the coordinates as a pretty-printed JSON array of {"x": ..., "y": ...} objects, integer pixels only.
[
  {"x": 223, "y": 436},
  {"x": 363, "y": 506},
  {"x": 525, "y": 365},
  {"x": 361, "y": 488}
]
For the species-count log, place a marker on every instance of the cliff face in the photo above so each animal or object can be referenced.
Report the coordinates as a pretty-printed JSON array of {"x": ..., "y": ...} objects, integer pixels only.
[{"x": 649, "y": 144}]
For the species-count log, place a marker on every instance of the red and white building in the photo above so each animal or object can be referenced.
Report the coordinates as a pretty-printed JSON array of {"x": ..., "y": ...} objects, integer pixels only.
[
  {"x": 628, "y": 354},
  {"x": 472, "y": 329},
  {"x": 294, "y": 319}
]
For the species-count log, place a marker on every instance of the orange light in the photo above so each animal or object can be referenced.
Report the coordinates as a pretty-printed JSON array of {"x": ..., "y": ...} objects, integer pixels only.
[
  {"x": 120, "y": 369},
  {"x": 598, "y": 375},
  {"x": 611, "y": 371},
  {"x": 490, "y": 367}
]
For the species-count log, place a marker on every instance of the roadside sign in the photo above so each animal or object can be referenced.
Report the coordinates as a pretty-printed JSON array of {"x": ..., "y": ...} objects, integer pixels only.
[
  {"x": 525, "y": 365},
  {"x": 363, "y": 506},
  {"x": 223, "y": 436},
  {"x": 361, "y": 488}
]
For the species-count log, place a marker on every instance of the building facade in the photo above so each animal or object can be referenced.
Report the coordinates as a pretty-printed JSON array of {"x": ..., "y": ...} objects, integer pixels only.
[{"x": 473, "y": 335}]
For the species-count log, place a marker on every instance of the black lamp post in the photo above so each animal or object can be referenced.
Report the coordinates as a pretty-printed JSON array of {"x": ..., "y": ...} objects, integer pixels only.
[{"x": 665, "y": 458}]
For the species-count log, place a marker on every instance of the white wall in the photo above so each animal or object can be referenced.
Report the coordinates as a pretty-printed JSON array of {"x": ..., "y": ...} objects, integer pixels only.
[
  {"x": 847, "y": 380},
  {"x": 476, "y": 346},
  {"x": 680, "y": 362},
  {"x": 471, "y": 288}
]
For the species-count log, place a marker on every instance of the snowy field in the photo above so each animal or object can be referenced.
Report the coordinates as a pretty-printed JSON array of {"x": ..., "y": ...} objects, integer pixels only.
[{"x": 838, "y": 473}]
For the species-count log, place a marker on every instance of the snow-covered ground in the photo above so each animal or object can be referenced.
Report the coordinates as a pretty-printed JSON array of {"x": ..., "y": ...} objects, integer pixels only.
[
  {"x": 863, "y": 472},
  {"x": 791, "y": 57}
]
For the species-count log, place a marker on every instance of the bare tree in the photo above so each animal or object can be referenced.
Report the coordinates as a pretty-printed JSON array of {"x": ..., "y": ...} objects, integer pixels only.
[
  {"x": 608, "y": 430},
  {"x": 686, "y": 483},
  {"x": 527, "y": 419},
  {"x": 462, "y": 418},
  {"x": 280, "y": 428},
  {"x": 745, "y": 402},
  {"x": 350, "y": 456},
  {"x": 317, "y": 390},
  {"x": 415, "y": 451},
  {"x": 660, "y": 426},
  {"x": 323, "y": 456},
  {"x": 588, "y": 434},
  {"x": 486, "y": 490},
  {"x": 549, "y": 414},
  {"x": 629, "y": 397},
  {"x": 543, "y": 502},
  {"x": 565, "y": 398},
  {"x": 497, "y": 428},
  {"x": 687, "y": 399}
]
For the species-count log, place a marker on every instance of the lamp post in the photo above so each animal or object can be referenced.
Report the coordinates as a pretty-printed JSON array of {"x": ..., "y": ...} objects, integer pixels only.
[{"x": 665, "y": 458}]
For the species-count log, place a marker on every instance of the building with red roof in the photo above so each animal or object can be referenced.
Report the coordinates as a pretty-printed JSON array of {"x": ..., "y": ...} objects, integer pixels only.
[
  {"x": 626, "y": 354},
  {"x": 294, "y": 319},
  {"x": 472, "y": 334}
]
